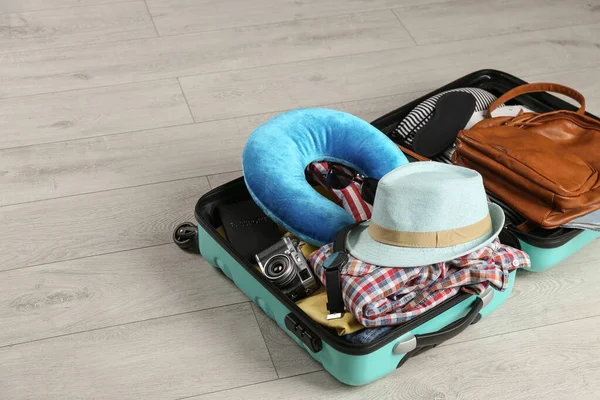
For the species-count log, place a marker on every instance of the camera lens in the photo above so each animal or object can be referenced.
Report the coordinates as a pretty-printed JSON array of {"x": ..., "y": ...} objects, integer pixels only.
[{"x": 280, "y": 270}]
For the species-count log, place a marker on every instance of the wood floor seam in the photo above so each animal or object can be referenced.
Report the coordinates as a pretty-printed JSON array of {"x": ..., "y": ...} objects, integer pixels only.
[
  {"x": 208, "y": 73},
  {"x": 103, "y": 135},
  {"x": 150, "y": 16},
  {"x": 123, "y": 324},
  {"x": 264, "y": 340},
  {"x": 494, "y": 35},
  {"x": 63, "y": 7},
  {"x": 71, "y": 45},
  {"x": 86, "y": 88},
  {"x": 88, "y": 256},
  {"x": 190, "y": 36},
  {"x": 106, "y": 190},
  {"x": 404, "y": 27},
  {"x": 274, "y": 64},
  {"x": 221, "y": 173},
  {"x": 195, "y": 396},
  {"x": 535, "y": 76},
  {"x": 188, "y": 103},
  {"x": 249, "y": 385},
  {"x": 343, "y": 14},
  {"x": 189, "y": 123}
]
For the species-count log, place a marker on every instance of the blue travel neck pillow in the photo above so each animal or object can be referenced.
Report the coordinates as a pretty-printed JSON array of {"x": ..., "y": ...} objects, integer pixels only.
[{"x": 277, "y": 153}]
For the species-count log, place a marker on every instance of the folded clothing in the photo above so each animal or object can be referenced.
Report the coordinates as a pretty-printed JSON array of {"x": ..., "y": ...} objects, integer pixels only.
[
  {"x": 589, "y": 221},
  {"x": 502, "y": 111},
  {"x": 379, "y": 296},
  {"x": 315, "y": 306},
  {"x": 368, "y": 335}
]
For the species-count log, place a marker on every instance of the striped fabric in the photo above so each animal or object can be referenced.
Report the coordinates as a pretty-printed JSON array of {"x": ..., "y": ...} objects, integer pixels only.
[
  {"x": 349, "y": 198},
  {"x": 422, "y": 113}
]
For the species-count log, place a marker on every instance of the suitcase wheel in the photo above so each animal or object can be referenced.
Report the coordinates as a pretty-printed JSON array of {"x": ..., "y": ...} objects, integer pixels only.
[{"x": 185, "y": 236}]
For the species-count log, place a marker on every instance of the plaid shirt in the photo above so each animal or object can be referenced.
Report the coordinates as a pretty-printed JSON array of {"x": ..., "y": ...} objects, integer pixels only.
[{"x": 379, "y": 296}]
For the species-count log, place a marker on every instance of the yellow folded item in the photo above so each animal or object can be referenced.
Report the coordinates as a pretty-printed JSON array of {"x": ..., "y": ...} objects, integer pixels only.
[{"x": 315, "y": 306}]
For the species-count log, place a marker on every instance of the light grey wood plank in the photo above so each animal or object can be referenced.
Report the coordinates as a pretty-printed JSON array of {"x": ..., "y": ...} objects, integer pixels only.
[
  {"x": 371, "y": 109},
  {"x": 111, "y": 289},
  {"x": 554, "y": 362},
  {"x": 164, "y": 57},
  {"x": 584, "y": 80},
  {"x": 97, "y": 223},
  {"x": 458, "y": 20},
  {"x": 180, "y": 16},
  {"x": 91, "y": 112},
  {"x": 288, "y": 358},
  {"x": 65, "y": 168},
  {"x": 74, "y": 26},
  {"x": 280, "y": 87},
  {"x": 13, "y": 6},
  {"x": 167, "y": 358},
  {"x": 82, "y": 166}
]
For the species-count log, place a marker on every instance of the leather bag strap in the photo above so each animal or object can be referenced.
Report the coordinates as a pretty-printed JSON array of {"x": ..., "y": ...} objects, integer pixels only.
[
  {"x": 412, "y": 153},
  {"x": 540, "y": 87}
]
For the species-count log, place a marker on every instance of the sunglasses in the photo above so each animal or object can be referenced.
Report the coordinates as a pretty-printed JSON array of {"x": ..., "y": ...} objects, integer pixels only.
[{"x": 340, "y": 177}]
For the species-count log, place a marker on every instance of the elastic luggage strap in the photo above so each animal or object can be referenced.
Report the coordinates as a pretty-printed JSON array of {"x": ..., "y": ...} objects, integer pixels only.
[
  {"x": 540, "y": 87},
  {"x": 333, "y": 278}
]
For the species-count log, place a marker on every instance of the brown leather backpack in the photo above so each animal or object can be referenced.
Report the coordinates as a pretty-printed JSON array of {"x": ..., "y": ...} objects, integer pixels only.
[{"x": 545, "y": 166}]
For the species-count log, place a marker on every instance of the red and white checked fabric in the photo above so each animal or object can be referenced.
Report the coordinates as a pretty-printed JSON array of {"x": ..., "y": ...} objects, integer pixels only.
[
  {"x": 349, "y": 198},
  {"x": 379, "y": 296}
]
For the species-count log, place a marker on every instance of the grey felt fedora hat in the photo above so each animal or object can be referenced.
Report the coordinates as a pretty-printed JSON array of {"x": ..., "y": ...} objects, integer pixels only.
[{"x": 425, "y": 213}]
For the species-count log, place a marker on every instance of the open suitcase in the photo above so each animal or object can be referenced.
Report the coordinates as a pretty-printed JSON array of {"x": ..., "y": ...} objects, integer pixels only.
[
  {"x": 545, "y": 247},
  {"x": 349, "y": 363},
  {"x": 360, "y": 364}
]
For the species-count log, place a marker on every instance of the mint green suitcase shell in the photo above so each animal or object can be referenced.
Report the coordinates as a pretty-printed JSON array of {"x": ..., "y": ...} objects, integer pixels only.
[
  {"x": 349, "y": 363},
  {"x": 545, "y": 258}
]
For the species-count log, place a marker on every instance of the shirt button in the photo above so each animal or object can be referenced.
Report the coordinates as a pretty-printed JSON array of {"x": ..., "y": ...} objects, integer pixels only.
[{"x": 515, "y": 263}]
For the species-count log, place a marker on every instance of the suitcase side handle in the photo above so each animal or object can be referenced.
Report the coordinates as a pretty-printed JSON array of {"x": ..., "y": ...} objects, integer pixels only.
[{"x": 412, "y": 341}]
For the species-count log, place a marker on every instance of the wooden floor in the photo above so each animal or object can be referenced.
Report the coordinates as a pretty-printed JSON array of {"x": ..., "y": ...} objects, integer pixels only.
[{"x": 116, "y": 115}]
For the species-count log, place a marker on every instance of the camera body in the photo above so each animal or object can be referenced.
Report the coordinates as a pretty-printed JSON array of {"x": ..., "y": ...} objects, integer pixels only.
[{"x": 283, "y": 264}]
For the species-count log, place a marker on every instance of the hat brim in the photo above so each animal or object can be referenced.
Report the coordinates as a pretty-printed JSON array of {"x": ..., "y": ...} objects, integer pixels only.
[{"x": 363, "y": 247}]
